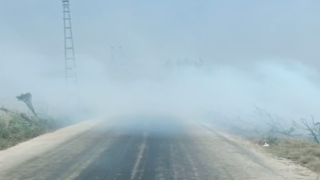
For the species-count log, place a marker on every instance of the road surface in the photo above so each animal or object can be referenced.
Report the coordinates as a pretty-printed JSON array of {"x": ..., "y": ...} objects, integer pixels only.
[{"x": 149, "y": 148}]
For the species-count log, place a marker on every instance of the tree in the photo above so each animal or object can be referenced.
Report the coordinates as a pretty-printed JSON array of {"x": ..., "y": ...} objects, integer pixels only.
[
  {"x": 274, "y": 124},
  {"x": 27, "y": 99},
  {"x": 313, "y": 128}
]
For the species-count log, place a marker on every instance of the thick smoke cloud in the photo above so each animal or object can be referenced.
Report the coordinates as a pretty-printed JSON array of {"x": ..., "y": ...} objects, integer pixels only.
[
  {"x": 253, "y": 53},
  {"x": 284, "y": 87}
]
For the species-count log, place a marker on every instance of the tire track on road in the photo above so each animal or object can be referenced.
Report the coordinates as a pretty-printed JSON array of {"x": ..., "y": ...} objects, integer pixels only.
[{"x": 142, "y": 148}]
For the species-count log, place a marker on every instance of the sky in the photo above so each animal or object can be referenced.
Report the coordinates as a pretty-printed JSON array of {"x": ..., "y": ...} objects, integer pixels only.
[
  {"x": 259, "y": 49},
  {"x": 224, "y": 31}
]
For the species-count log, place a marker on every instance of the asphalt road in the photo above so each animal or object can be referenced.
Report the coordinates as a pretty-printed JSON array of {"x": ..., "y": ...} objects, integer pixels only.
[{"x": 145, "y": 148}]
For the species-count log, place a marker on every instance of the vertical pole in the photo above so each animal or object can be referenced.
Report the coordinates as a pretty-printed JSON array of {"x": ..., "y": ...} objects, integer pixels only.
[
  {"x": 69, "y": 55},
  {"x": 112, "y": 54}
]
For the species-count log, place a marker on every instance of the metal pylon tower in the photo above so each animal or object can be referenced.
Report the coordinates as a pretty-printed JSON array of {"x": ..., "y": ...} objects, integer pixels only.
[{"x": 70, "y": 62}]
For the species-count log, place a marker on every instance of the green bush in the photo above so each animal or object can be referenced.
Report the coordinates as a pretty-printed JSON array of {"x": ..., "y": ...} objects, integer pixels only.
[{"x": 16, "y": 129}]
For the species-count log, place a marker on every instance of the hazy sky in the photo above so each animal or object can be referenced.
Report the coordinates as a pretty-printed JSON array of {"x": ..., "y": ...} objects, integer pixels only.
[
  {"x": 225, "y": 31},
  {"x": 228, "y": 32}
]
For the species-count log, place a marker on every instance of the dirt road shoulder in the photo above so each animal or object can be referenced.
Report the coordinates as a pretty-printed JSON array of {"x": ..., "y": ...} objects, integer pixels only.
[
  {"x": 284, "y": 167},
  {"x": 41, "y": 144}
]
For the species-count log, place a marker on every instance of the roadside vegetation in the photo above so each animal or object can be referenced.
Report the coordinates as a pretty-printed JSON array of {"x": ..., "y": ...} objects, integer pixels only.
[
  {"x": 301, "y": 151},
  {"x": 16, "y": 127},
  {"x": 298, "y": 141}
]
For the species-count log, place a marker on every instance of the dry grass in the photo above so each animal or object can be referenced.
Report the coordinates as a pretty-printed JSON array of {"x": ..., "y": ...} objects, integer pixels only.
[
  {"x": 15, "y": 129},
  {"x": 301, "y": 151}
]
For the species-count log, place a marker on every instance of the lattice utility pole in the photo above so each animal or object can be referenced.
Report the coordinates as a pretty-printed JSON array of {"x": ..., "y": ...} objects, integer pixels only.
[{"x": 70, "y": 62}]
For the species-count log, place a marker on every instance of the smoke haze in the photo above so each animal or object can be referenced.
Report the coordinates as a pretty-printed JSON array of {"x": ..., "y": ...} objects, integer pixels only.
[{"x": 262, "y": 53}]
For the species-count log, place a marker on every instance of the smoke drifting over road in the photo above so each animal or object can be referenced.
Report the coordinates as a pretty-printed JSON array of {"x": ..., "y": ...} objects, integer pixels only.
[
  {"x": 234, "y": 39},
  {"x": 286, "y": 88}
]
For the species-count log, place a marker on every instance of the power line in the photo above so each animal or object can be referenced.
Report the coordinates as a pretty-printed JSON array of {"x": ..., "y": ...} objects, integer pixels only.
[
  {"x": 97, "y": 9},
  {"x": 91, "y": 18},
  {"x": 83, "y": 9},
  {"x": 100, "y": 27}
]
